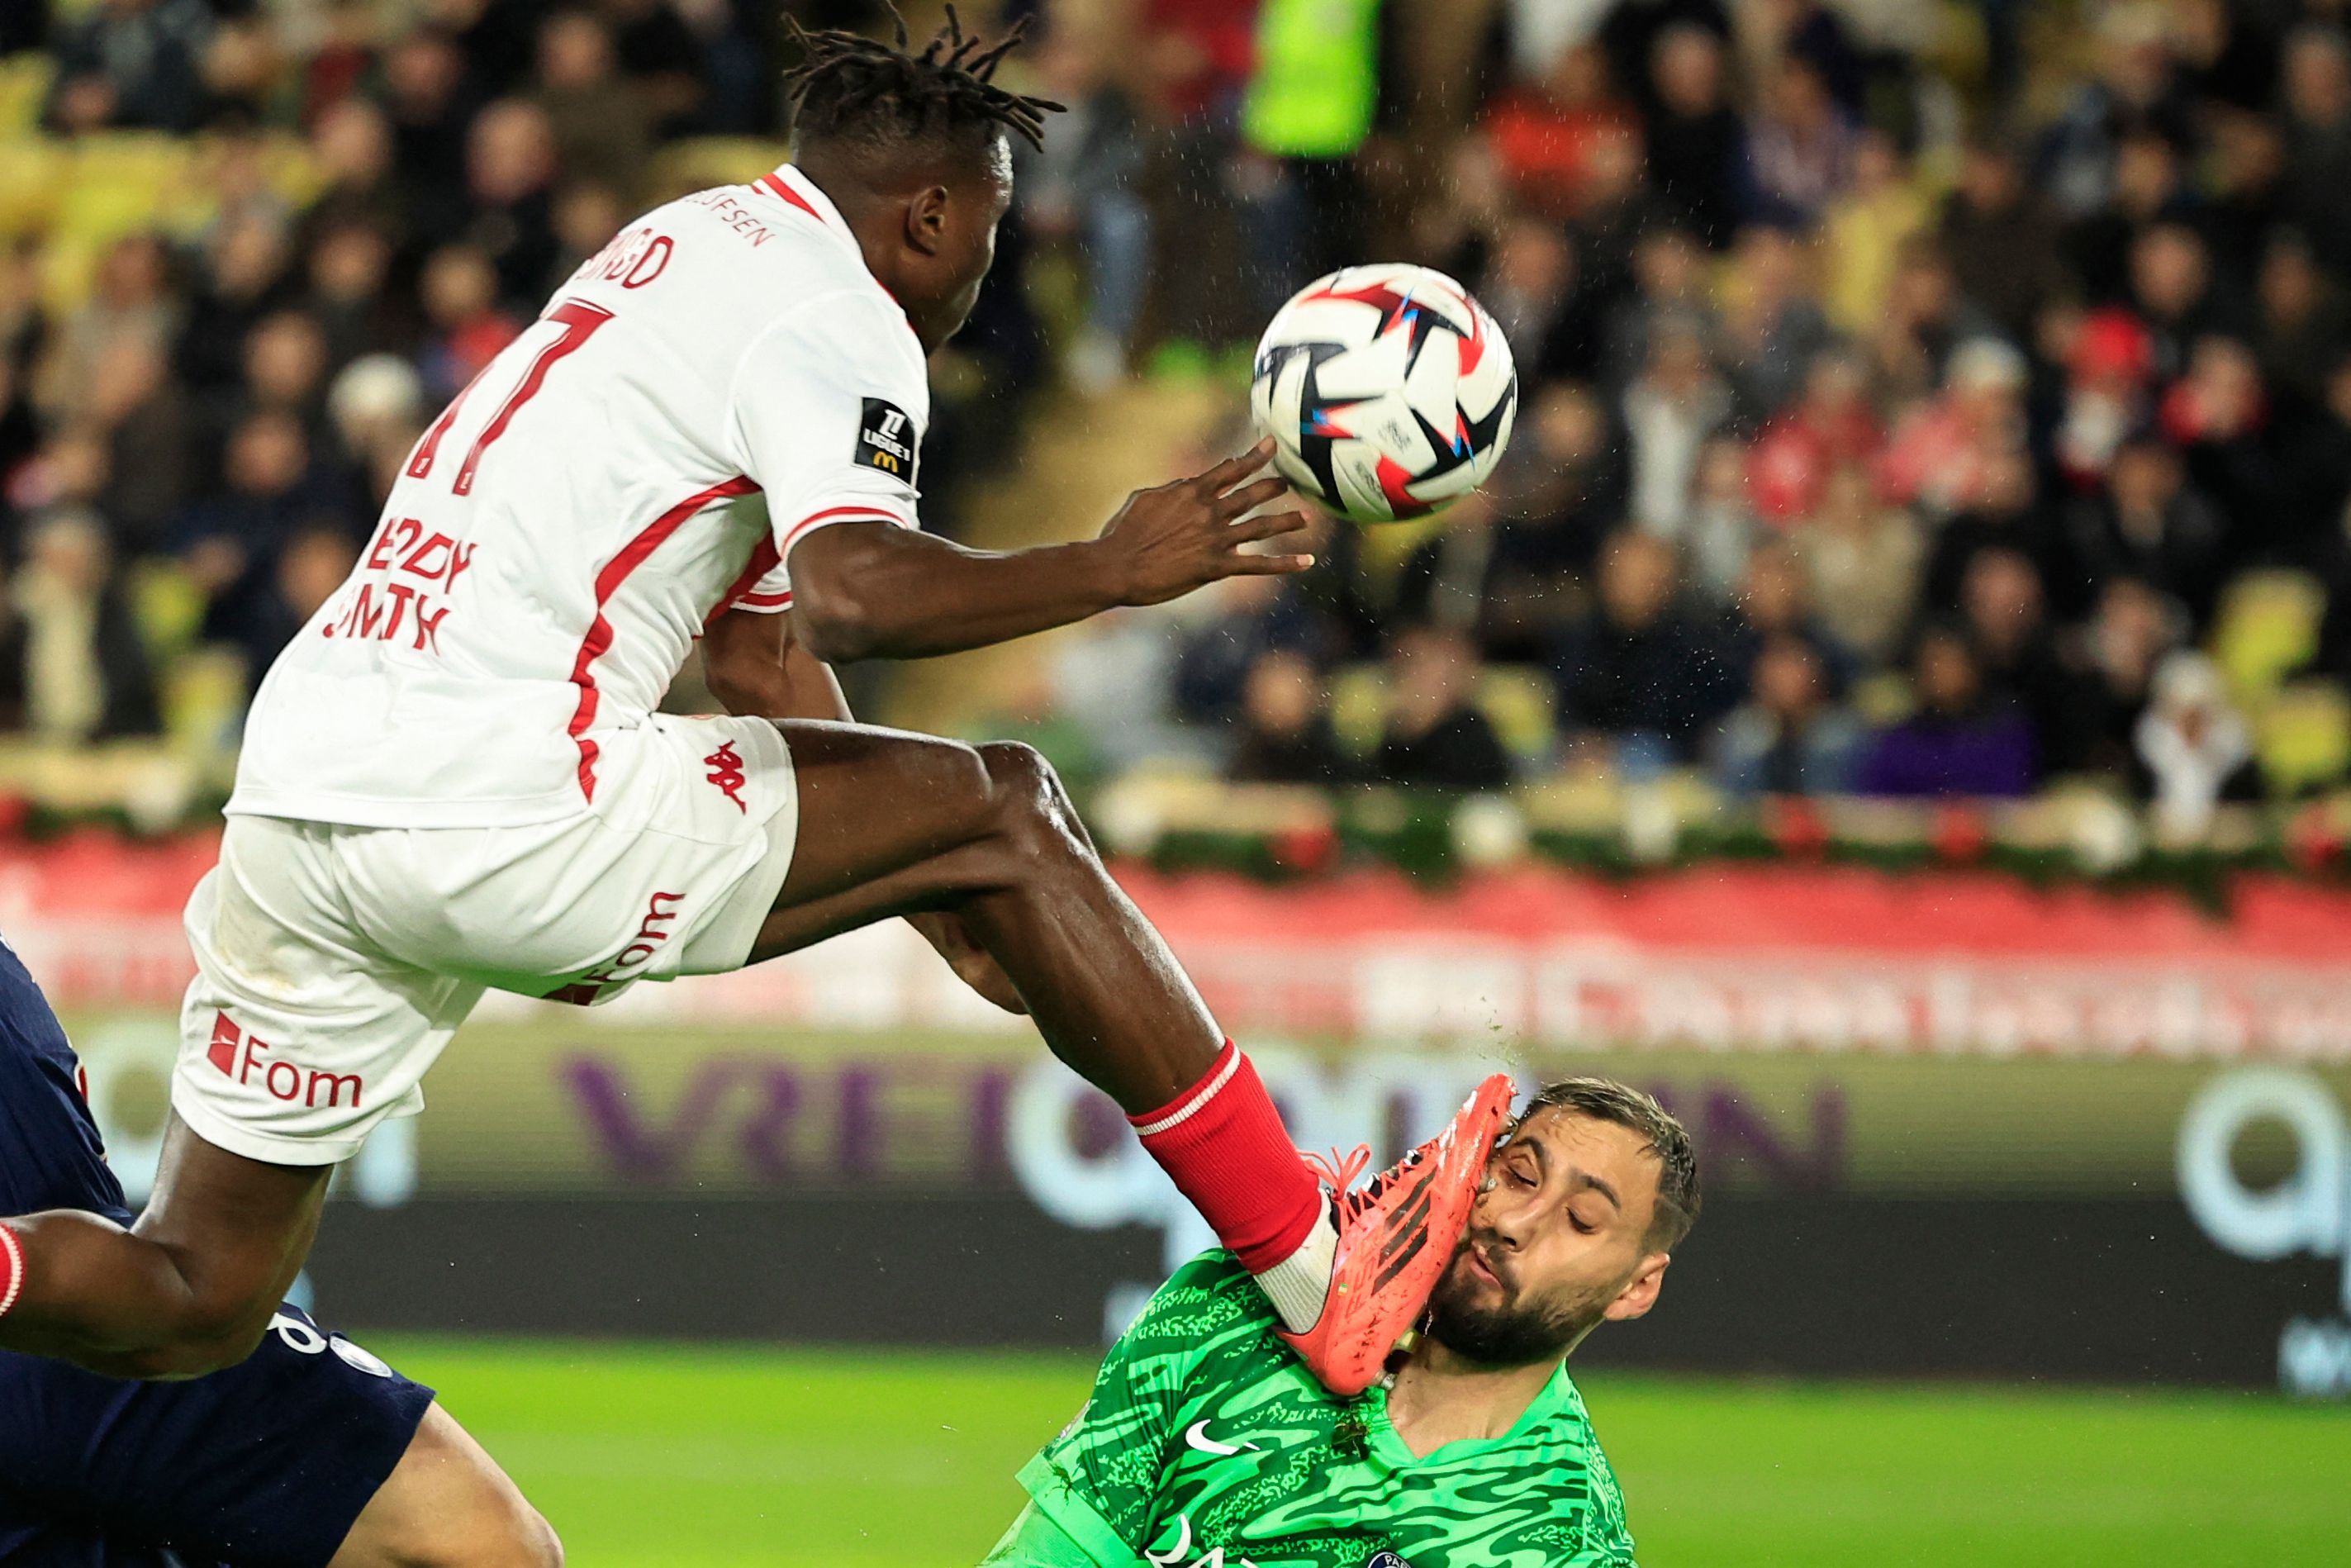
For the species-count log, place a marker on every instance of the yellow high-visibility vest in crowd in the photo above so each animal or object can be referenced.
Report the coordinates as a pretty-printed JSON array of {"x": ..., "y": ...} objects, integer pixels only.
[{"x": 1318, "y": 78}]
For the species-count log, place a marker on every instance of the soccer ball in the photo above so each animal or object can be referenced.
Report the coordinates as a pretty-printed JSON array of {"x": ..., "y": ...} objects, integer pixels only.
[{"x": 1388, "y": 390}]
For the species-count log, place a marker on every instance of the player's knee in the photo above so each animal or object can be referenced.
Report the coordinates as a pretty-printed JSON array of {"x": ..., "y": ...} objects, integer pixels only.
[{"x": 1029, "y": 803}]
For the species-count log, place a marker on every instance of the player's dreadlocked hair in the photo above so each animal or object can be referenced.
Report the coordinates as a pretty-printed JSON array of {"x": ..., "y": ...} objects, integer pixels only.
[{"x": 853, "y": 87}]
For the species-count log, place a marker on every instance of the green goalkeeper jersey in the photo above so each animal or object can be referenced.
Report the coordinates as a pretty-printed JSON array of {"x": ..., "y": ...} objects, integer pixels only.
[{"x": 1207, "y": 1443}]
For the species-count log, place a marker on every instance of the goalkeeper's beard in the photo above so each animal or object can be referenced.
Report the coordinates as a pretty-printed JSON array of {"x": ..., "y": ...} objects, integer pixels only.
[{"x": 1495, "y": 1324}]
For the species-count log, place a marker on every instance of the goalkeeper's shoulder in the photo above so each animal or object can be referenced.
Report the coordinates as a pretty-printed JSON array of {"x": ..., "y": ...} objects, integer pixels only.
[{"x": 1207, "y": 1298}]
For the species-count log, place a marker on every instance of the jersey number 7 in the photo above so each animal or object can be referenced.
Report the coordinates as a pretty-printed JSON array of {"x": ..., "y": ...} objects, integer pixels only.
[{"x": 578, "y": 321}]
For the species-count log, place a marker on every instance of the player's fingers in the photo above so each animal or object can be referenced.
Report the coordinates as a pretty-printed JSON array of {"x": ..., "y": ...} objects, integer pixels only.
[
  {"x": 1269, "y": 525},
  {"x": 1266, "y": 565},
  {"x": 1233, "y": 470},
  {"x": 1250, "y": 497}
]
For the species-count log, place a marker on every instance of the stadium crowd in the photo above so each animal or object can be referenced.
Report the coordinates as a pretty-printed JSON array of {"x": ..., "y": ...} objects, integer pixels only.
[{"x": 1914, "y": 401}]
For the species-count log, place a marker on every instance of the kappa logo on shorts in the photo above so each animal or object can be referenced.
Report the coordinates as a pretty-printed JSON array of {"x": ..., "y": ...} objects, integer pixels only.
[
  {"x": 727, "y": 772},
  {"x": 240, "y": 1055},
  {"x": 885, "y": 439}
]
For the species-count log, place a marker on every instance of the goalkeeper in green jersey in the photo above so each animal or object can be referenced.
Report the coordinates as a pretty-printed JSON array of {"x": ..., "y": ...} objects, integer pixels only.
[{"x": 1206, "y": 1445}]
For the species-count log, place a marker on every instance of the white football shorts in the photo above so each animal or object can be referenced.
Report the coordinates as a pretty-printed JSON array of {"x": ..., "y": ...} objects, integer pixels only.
[{"x": 334, "y": 962}]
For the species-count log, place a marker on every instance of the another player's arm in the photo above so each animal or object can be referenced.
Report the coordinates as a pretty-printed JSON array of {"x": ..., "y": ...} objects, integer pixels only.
[
  {"x": 187, "y": 1291},
  {"x": 871, "y": 589},
  {"x": 758, "y": 664}
]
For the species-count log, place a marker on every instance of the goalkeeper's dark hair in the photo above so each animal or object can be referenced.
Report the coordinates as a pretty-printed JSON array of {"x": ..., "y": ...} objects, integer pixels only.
[
  {"x": 849, "y": 87},
  {"x": 1606, "y": 1100}
]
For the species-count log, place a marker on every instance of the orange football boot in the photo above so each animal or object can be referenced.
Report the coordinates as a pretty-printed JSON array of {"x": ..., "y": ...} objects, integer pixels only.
[{"x": 1396, "y": 1238}]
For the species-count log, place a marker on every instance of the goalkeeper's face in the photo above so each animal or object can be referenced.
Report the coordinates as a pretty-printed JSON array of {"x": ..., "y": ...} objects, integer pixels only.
[{"x": 1557, "y": 1243}]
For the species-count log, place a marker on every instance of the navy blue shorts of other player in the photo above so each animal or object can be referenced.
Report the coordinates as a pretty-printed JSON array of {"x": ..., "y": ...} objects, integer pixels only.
[{"x": 266, "y": 1465}]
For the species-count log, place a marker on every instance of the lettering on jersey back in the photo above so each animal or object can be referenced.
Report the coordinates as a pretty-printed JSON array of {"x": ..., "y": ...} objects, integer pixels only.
[
  {"x": 631, "y": 259},
  {"x": 400, "y": 589},
  {"x": 735, "y": 215}
]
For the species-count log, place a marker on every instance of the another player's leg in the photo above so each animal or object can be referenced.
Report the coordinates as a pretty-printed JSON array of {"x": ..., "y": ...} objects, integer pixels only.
[
  {"x": 892, "y": 824},
  {"x": 448, "y": 1505}
]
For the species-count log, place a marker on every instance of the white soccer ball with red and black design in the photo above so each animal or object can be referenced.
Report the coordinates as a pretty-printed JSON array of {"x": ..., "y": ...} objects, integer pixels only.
[{"x": 1388, "y": 390}]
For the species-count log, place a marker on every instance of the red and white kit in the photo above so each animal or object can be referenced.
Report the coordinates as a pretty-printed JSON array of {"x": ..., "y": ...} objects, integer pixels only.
[{"x": 454, "y": 778}]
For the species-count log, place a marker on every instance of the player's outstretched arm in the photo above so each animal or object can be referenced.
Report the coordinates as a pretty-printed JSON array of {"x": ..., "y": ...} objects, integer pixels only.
[
  {"x": 873, "y": 591},
  {"x": 189, "y": 1290}
]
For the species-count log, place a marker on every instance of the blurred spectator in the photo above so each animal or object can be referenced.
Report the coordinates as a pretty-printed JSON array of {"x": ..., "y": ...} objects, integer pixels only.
[
  {"x": 153, "y": 438},
  {"x": 1774, "y": 601},
  {"x": 1865, "y": 233},
  {"x": 1249, "y": 617},
  {"x": 2148, "y": 187},
  {"x": 1916, "y": 338},
  {"x": 1081, "y": 193},
  {"x": 245, "y": 278},
  {"x": 269, "y": 494},
  {"x": 469, "y": 327},
  {"x": 1696, "y": 142},
  {"x": 2150, "y": 525},
  {"x": 1864, "y": 558},
  {"x": 1632, "y": 679},
  {"x": 2006, "y": 615},
  {"x": 661, "y": 56},
  {"x": 2317, "y": 102},
  {"x": 72, "y": 666},
  {"x": 351, "y": 146},
  {"x": 1800, "y": 145},
  {"x": 1960, "y": 741},
  {"x": 2194, "y": 747},
  {"x": 1771, "y": 320},
  {"x": 2133, "y": 628},
  {"x": 2008, "y": 515},
  {"x": 511, "y": 163},
  {"x": 349, "y": 294},
  {"x": 2133, "y": 85},
  {"x": 2002, "y": 241},
  {"x": 1563, "y": 486},
  {"x": 599, "y": 122},
  {"x": 1668, "y": 285},
  {"x": 1789, "y": 737},
  {"x": 1285, "y": 725},
  {"x": 1944, "y": 455},
  {"x": 2171, "y": 289},
  {"x": 1529, "y": 284},
  {"x": 1436, "y": 738},
  {"x": 2303, "y": 325},
  {"x": 1831, "y": 425},
  {"x": 305, "y": 575},
  {"x": 1671, "y": 410},
  {"x": 428, "y": 99},
  {"x": 133, "y": 64},
  {"x": 1544, "y": 132},
  {"x": 1720, "y": 529},
  {"x": 2109, "y": 362}
]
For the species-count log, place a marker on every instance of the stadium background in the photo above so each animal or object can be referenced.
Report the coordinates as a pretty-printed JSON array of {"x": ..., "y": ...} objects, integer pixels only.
[{"x": 1891, "y": 703}]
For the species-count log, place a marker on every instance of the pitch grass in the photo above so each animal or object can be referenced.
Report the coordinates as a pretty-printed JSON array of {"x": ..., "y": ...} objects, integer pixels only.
[{"x": 726, "y": 1457}]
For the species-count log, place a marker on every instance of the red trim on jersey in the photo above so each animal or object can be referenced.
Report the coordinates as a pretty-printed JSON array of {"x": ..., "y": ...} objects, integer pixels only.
[
  {"x": 763, "y": 561},
  {"x": 841, "y": 514},
  {"x": 599, "y": 640},
  {"x": 773, "y": 184},
  {"x": 765, "y": 600}
]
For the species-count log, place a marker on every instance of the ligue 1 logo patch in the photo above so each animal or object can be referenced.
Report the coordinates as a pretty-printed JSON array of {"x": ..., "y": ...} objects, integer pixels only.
[{"x": 885, "y": 439}]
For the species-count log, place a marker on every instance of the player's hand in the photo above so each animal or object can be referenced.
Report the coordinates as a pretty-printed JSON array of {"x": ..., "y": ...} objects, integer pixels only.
[
  {"x": 1167, "y": 541},
  {"x": 968, "y": 960}
]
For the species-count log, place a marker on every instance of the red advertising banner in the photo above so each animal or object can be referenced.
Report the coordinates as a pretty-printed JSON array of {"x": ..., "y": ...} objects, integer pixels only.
[{"x": 1729, "y": 957}]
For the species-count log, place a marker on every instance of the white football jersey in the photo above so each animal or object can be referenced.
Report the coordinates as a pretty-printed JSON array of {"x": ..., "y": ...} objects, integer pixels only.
[{"x": 722, "y": 378}]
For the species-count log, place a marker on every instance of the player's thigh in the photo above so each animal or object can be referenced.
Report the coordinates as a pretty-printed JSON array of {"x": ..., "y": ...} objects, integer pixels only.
[
  {"x": 890, "y": 822},
  {"x": 448, "y": 1505}
]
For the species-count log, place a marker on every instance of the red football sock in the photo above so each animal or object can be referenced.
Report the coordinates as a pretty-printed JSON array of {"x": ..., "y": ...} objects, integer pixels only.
[{"x": 1222, "y": 1142}]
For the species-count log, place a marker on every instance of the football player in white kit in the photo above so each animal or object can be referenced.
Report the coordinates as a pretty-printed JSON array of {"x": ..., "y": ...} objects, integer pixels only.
[{"x": 455, "y": 777}]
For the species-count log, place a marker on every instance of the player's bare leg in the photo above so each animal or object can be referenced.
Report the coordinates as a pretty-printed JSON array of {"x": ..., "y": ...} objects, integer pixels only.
[
  {"x": 893, "y": 824},
  {"x": 448, "y": 1505}
]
